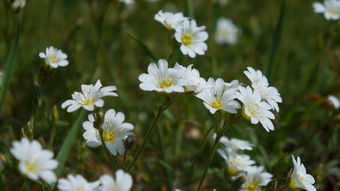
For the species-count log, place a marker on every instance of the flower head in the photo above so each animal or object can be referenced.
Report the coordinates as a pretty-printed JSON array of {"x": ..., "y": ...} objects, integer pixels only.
[
  {"x": 90, "y": 97},
  {"x": 76, "y": 183},
  {"x": 226, "y": 31},
  {"x": 192, "y": 80},
  {"x": 334, "y": 101},
  {"x": 122, "y": 182},
  {"x": 192, "y": 38},
  {"x": 54, "y": 57},
  {"x": 169, "y": 20},
  {"x": 235, "y": 144},
  {"x": 34, "y": 162},
  {"x": 114, "y": 131},
  {"x": 254, "y": 109},
  {"x": 236, "y": 163},
  {"x": 217, "y": 96},
  {"x": 161, "y": 78},
  {"x": 299, "y": 177},
  {"x": 18, "y": 4},
  {"x": 260, "y": 84},
  {"x": 127, "y": 2},
  {"x": 330, "y": 9},
  {"x": 254, "y": 178}
]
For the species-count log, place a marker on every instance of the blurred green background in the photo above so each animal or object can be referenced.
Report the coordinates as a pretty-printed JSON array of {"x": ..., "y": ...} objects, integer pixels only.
[{"x": 296, "y": 48}]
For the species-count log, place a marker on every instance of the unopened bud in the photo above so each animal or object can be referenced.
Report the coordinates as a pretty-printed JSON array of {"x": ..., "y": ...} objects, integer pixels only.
[
  {"x": 98, "y": 119},
  {"x": 129, "y": 141}
]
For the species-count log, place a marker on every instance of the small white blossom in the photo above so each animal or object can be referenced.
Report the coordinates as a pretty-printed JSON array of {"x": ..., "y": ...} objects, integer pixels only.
[
  {"x": 334, "y": 101},
  {"x": 260, "y": 84},
  {"x": 299, "y": 177},
  {"x": 114, "y": 131},
  {"x": 226, "y": 31},
  {"x": 54, "y": 57},
  {"x": 218, "y": 97},
  {"x": 122, "y": 182},
  {"x": 18, "y": 4},
  {"x": 191, "y": 77},
  {"x": 34, "y": 162},
  {"x": 161, "y": 78},
  {"x": 254, "y": 178},
  {"x": 236, "y": 163},
  {"x": 330, "y": 9},
  {"x": 76, "y": 183},
  {"x": 169, "y": 20},
  {"x": 254, "y": 109},
  {"x": 235, "y": 144},
  {"x": 223, "y": 2},
  {"x": 127, "y": 2},
  {"x": 192, "y": 38},
  {"x": 90, "y": 97}
]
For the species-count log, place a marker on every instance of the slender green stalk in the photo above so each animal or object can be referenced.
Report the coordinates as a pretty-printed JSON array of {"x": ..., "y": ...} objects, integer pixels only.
[
  {"x": 190, "y": 8},
  {"x": 112, "y": 160}
]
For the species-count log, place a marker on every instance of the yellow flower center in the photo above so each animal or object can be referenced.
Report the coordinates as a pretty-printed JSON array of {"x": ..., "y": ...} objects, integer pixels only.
[
  {"x": 300, "y": 177},
  {"x": 232, "y": 170},
  {"x": 252, "y": 186},
  {"x": 187, "y": 39},
  {"x": 30, "y": 167},
  {"x": 250, "y": 113},
  {"x": 217, "y": 104},
  {"x": 333, "y": 12},
  {"x": 108, "y": 135},
  {"x": 89, "y": 102},
  {"x": 165, "y": 83},
  {"x": 53, "y": 59}
]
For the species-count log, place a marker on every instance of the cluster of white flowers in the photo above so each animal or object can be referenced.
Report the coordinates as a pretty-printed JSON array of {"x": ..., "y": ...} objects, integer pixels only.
[
  {"x": 121, "y": 182},
  {"x": 161, "y": 78},
  {"x": 240, "y": 165},
  {"x": 34, "y": 162},
  {"x": 330, "y": 9},
  {"x": 190, "y": 36}
]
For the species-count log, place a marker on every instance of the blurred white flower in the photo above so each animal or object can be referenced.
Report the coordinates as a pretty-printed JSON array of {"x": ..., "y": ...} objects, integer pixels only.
[
  {"x": 299, "y": 177},
  {"x": 330, "y": 9},
  {"x": 236, "y": 163},
  {"x": 260, "y": 84},
  {"x": 114, "y": 131},
  {"x": 235, "y": 144},
  {"x": 76, "y": 183},
  {"x": 122, "y": 182},
  {"x": 226, "y": 31},
  {"x": 254, "y": 109},
  {"x": 254, "y": 178},
  {"x": 192, "y": 38},
  {"x": 334, "y": 101},
  {"x": 18, "y": 4},
  {"x": 161, "y": 78},
  {"x": 223, "y": 2},
  {"x": 54, "y": 57},
  {"x": 169, "y": 20},
  {"x": 217, "y": 97},
  {"x": 127, "y": 2},
  {"x": 193, "y": 82},
  {"x": 90, "y": 97},
  {"x": 34, "y": 162}
]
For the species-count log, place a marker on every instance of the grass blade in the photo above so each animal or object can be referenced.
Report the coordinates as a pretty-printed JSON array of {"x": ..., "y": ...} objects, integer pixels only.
[
  {"x": 276, "y": 42},
  {"x": 68, "y": 143},
  {"x": 146, "y": 49}
]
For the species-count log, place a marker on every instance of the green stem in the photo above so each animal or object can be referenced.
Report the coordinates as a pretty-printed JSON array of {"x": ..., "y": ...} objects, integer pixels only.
[
  {"x": 113, "y": 162},
  {"x": 152, "y": 128},
  {"x": 190, "y": 9}
]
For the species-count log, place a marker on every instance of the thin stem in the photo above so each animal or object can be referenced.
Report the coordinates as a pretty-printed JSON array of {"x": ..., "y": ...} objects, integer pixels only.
[{"x": 113, "y": 162}]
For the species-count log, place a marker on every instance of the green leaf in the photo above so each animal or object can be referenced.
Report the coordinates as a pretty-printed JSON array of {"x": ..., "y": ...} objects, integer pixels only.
[
  {"x": 68, "y": 143},
  {"x": 145, "y": 48}
]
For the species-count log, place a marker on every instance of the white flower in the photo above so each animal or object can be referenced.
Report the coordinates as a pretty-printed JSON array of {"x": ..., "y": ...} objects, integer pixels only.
[
  {"x": 254, "y": 109},
  {"x": 260, "y": 84},
  {"x": 34, "y": 162},
  {"x": 191, "y": 38},
  {"x": 54, "y": 57},
  {"x": 235, "y": 144},
  {"x": 330, "y": 9},
  {"x": 114, "y": 131},
  {"x": 254, "y": 178},
  {"x": 169, "y": 20},
  {"x": 300, "y": 178},
  {"x": 218, "y": 97},
  {"x": 334, "y": 101},
  {"x": 127, "y": 2},
  {"x": 236, "y": 163},
  {"x": 90, "y": 97},
  {"x": 223, "y": 2},
  {"x": 122, "y": 182},
  {"x": 226, "y": 31},
  {"x": 18, "y": 4},
  {"x": 191, "y": 77},
  {"x": 161, "y": 78},
  {"x": 76, "y": 183}
]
